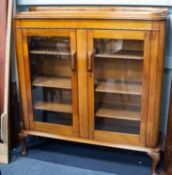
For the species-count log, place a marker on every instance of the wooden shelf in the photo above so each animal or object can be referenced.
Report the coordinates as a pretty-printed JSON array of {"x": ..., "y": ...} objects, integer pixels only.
[
  {"x": 118, "y": 114},
  {"x": 119, "y": 87},
  {"x": 120, "y": 56},
  {"x": 54, "y": 107},
  {"x": 53, "y": 82},
  {"x": 46, "y": 52}
]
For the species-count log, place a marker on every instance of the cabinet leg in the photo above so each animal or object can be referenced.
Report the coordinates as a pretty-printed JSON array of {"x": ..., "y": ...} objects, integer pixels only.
[
  {"x": 155, "y": 158},
  {"x": 23, "y": 143}
]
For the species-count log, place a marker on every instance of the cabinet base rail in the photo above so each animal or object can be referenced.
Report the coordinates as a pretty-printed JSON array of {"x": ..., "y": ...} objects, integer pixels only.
[{"x": 154, "y": 153}]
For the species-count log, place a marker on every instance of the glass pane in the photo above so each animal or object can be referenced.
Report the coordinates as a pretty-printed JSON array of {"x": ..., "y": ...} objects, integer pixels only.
[
  {"x": 51, "y": 79},
  {"x": 118, "y": 84}
]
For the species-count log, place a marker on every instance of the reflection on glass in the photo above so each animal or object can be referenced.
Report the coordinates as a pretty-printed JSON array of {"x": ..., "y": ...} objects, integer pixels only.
[
  {"x": 118, "y": 84},
  {"x": 51, "y": 79}
]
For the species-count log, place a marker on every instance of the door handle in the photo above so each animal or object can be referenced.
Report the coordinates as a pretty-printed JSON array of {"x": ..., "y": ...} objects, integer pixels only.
[
  {"x": 90, "y": 61},
  {"x": 73, "y": 60}
]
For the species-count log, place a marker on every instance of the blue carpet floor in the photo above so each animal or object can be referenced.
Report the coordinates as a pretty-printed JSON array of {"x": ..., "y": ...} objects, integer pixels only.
[{"x": 52, "y": 157}]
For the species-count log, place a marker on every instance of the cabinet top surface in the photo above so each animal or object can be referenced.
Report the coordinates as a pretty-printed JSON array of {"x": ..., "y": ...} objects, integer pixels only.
[{"x": 96, "y": 12}]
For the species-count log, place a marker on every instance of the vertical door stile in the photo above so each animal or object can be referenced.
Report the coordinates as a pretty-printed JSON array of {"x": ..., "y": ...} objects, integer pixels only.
[
  {"x": 90, "y": 53},
  {"x": 74, "y": 82},
  {"x": 27, "y": 77},
  {"x": 21, "y": 75},
  {"x": 146, "y": 70},
  {"x": 82, "y": 82}
]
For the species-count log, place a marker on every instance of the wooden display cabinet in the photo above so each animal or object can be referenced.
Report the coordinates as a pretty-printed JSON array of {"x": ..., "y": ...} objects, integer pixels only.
[{"x": 92, "y": 75}]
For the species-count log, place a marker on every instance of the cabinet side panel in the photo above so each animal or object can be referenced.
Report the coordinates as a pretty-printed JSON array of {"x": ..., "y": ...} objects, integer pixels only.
[
  {"x": 21, "y": 76},
  {"x": 156, "y": 70},
  {"x": 159, "y": 81},
  {"x": 27, "y": 77},
  {"x": 145, "y": 97}
]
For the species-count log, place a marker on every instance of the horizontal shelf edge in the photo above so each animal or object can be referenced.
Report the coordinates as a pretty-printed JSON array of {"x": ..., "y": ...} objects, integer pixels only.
[
  {"x": 53, "y": 107},
  {"x": 118, "y": 114},
  {"x": 119, "y": 56},
  {"x": 53, "y": 82},
  {"x": 42, "y": 52}
]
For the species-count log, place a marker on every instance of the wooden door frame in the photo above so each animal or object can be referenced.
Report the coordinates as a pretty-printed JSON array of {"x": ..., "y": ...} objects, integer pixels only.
[
  {"x": 120, "y": 34},
  {"x": 25, "y": 81}
]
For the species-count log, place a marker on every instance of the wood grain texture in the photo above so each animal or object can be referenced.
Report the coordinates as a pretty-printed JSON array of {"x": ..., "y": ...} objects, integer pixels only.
[
  {"x": 91, "y": 95},
  {"x": 82, "y": 82},
  {"x": 115, "y": 25},
  {"x": 152, "y": 90},
  {"x": 118, "y": 138},
  {"x": 130, "y": 35},
  {"x": 160, "y": 71},
  {"x": 45, "y": 52},
  {"x": 118, "y": 114},
  {"x": 155, "y": 84},
  {"x": 21, "y": 76},
  {"x": 42, "y": 81},
  {"x": 55, "y": 107},
  {"x": 120, "y": 56},
  {"x": 88, "y": 141},
  {"x": 97, "y": 13},
  {"x": 54, "y": 82},
  {"x": 75, "y": 87},
  {"x": 27, "y": 76},
  {"x": 95, "y": 76},
  {"x": 145, "y": 96},
  {"x": 53, "y": 128}
]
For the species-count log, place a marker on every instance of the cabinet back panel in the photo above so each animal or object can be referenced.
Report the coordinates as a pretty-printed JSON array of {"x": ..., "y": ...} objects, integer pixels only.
[{"x": 110, "y": 69}]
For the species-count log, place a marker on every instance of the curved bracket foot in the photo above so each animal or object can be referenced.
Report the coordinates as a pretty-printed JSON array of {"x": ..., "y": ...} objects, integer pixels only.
[
  {"x": 155, "y": 158},
  {"x": 22, "y": 137}
]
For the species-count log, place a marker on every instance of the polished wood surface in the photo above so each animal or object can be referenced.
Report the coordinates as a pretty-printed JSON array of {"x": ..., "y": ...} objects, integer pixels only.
[
  {"x": 88, "y": 141},
  {"x": 118, "y": 114},
  {"x": 82, "y": 82},
  {"x": 54, "y": 107},
  {"x": 96, "y": 13},
  {"x": 120, "y": 87},
  {"x": 54, "y": 82},
  {"x": 120, "y": 56},
  {"x": 106, "y": 86},
  {"x": 22, "y": 82},
  {"x": 155, "y": 85},
  {"x": 145, "y": 87},
  {"x": 41, "y": 52}
]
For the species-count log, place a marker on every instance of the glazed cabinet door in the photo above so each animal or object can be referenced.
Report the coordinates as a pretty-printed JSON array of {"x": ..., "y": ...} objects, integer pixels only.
[
  {"x": 48, "y": 80},
  {"x": 118, "y": 67}
]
